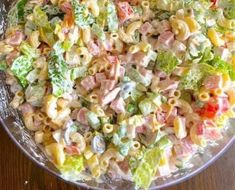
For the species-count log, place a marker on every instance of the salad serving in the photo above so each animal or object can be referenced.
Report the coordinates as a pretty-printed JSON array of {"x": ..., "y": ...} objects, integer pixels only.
[{"x": 125, "y": 90}]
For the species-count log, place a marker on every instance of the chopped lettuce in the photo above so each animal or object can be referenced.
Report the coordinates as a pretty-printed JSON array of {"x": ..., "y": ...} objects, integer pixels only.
[
  {"x": 20, "y": 68},
  {"x": 28, "y": 50},
  {"x": 20, "y": 7},
  {"x": 228, "y": 7},
  {"x": 192, "y": 79},
  {"x": 166, "y": 61},
  {"x": 83, "y": 17},
  {"x": 59, "y": 73},
  {"x": 222, "y": 66},
  {"x": 98, "y": 31},
  {"x": 45, "y": 29},
  {"x": 147, "y": 168},
  {"x": 112, "y": 19},
  {"x": 3, "y": 65},
  {"x": 34, "y": 93},
  {"x": 146, "y": 106},
  {"x": 72, "y": 164},
  {"x": 52, "y": 10}
]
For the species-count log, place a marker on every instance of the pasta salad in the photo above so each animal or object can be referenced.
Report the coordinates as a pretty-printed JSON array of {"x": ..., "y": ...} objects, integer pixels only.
[{"x": 129, "y": 90}]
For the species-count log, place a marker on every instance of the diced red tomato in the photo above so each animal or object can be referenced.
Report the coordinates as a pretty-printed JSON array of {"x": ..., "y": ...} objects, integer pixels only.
[
  {"x": 125, "y": 11},
  {"x": 214, "y": 4},
  {"x": 210, "y": 109},
  {"x": 72, "y": 150}
]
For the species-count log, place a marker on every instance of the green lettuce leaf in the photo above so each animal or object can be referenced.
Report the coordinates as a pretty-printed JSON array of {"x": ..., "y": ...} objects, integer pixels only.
[
  {"x": 112, "y": 19},
  {"x": 45, "y": 29},
  {"x": 21, "y": 66},
  {"x": 192, "y": 79},
  {"x": 83, "y": 17},
  {"x": 146, "y": 170},
  {"x": 222, "y": 66},
  {"x": 34, "y": 93},
  {"x": 59, "y": 73},
  {"x": 72, "y": 164},
  {"x": 3, "y": 65},
  {"x": 28, "y": 50},
  {"x": 166, "y": 62}
]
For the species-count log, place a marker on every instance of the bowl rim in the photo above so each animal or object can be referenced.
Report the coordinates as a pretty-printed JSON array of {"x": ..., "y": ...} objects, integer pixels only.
[{"x": 174, "y": 182}]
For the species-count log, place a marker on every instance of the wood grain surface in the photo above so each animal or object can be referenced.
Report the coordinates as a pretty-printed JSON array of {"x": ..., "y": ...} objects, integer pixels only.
[{"x": 17, "y": 172}]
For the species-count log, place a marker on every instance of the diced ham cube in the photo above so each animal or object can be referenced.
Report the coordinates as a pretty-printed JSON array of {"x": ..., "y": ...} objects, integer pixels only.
[
  {"x": 168, "y": 84},
  {"x": 112, "y": 59},
  {"x": 223, "y": 105},
  {"x": 124, "y": 165},
  {"x": 72, "y": 150},
  {"x": 26, "y": 108},
  {"x": 185, "y": 148},
  {"x": 88, "y": 83},
  {"x": 66, "y": 7},
  {"x": 212, "y": 134},
  {"x": 213, "y": 82},
  {"x": 99, "y": 77},
  {"x": 81, "y": 116},
  {"x": 11, "y": 57},
  {"x": 163, "y": 26},
  {"x": 146, "y": 28},
  {"x": 118, "y": 105},
  {"x": 125, "y": 11},
  {"x": 93, "y": 48},
  {"x": 110, "y": 96},
  {"x": 107, "y": 85},
  {"x": 165, "y": 40},
  {"x": 15, "y": 39}
]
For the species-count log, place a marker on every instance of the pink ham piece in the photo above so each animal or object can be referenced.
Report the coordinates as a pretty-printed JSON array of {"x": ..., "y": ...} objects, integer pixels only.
[
  {"x": 213, "y": 82},
  {"x": 26, "y": 108},
  {"x": 112, "y": 59},
  {"x": 81, "y": 116},
  {"x": 15, "y": 39},
  {"x": 125, "y": 11},
  {"x": 72, "y": 150},
  {"x": 107, "y": 85},
  {"x": 184, "y": 148},
  {"x": 163, "y": 26},
  {"x": 88, "y": 83},
  {"x": 66, "y": 7},
  {"x": 11, "y": 57},
  {"x": 100, "y": 77},
  {"x": 146, "y": 28},
  {"x": 118, "y": 105},
  {"x": 93, "y": 48},
  {"x": 168, "y": 84},
  {"x": 165, "y": 40},
  {"x": 110, "y": 96}
]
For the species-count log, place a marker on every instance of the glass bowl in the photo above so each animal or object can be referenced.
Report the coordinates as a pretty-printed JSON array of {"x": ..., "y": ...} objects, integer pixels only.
[{"x": 11, "y": 121}]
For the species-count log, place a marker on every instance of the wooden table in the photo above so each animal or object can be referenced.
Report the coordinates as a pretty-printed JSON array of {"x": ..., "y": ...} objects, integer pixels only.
[{"x": 19, "y": 173}]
